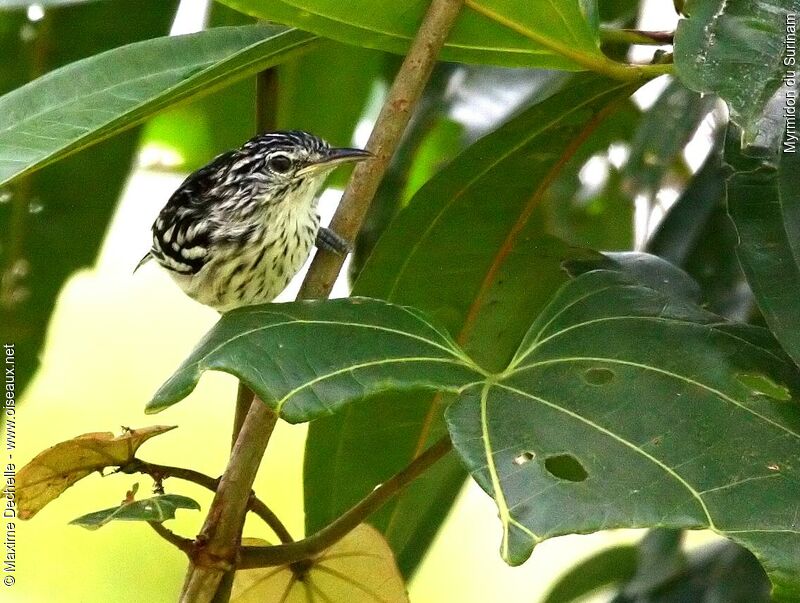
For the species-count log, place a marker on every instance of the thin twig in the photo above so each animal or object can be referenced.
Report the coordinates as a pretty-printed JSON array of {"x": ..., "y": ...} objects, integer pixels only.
[
  {"x": 403, "y": 96},
  {"x": 266, "y": 120},
  {"x": 592, "y": 61},
  {"x": 255, "y": 505},
  {"x": 183, "y": 544},
  {"x": 636, "y": 36},
  {"x": 282, "y": 554}
]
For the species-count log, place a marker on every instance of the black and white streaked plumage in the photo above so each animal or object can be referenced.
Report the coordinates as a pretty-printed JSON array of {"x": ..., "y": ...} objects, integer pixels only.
[{"x": 237, "y": 230}]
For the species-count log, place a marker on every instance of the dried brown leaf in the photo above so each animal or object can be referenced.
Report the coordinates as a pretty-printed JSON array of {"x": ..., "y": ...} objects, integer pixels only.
[{"x": 59, "y": 467}]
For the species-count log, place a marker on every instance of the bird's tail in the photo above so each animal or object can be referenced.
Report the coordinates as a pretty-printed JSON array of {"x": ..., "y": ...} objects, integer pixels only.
[{"x": 147, "y": 257}]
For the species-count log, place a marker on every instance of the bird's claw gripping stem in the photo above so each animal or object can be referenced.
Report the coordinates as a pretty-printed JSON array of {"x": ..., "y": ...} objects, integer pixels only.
[{"x": 330, "y": 241}]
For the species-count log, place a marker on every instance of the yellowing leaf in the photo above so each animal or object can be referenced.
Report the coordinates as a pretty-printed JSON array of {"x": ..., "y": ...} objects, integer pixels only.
[
  {"x": 360, "y": 568},
  {"x": 57, "y": 468}
]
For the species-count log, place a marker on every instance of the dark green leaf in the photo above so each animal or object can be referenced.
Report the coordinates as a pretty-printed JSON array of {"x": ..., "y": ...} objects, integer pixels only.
[
  {"x": 158, "y": 509},
  {"x": 388, "y": 348},
  {"x": 608, "y": 567},
  {"x": 662, "y": 135},
  {"x": 697, "y": 235},
  {"x": 466, "y": 250},
  {"x": 735, "y": 50},
  {"x": 622, "y": 407},
  {"x": 502, "y": 32},
  {"x": 642, "y": 391},
  {"x": 764, "y": 202},
  {"x": 597, "y": 217},
  {"x": 647, "y": 269},
  {"x": 722, "y": 572},
  {"x": 59, "y": 113},
  {"x": 52, "y": 223}
]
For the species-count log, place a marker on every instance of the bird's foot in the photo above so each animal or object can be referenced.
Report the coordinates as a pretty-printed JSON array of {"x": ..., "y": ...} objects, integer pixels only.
[{"x": 330, "y": 241}]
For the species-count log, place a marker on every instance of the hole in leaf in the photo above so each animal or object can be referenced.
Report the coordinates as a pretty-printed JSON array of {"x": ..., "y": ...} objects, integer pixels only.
[
  {"x": 566, "y": 466},
  {"x": 761, "y": 384},
  {"x": 524, "y": 457},
  {"x": 598, "y": 376}
]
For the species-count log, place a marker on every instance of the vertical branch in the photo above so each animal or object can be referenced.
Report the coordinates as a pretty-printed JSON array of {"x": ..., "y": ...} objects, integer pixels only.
[
  {"x": 266, "y": 120},
  {"x": 403, "y": 96},
  {"x": 219, "y": 539}
]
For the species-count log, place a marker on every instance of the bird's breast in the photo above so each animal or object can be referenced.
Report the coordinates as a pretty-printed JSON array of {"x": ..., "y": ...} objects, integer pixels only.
[{"x": 256, "y": 270}]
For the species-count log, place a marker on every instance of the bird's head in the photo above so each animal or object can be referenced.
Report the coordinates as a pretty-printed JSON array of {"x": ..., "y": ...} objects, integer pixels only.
[{"x": 289, "y": 166}]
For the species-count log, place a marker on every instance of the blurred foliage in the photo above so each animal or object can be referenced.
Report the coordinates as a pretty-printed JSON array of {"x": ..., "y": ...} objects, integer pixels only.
[
  {"x": 52, "y": 223},
  {"x": 509, "y": 180}
]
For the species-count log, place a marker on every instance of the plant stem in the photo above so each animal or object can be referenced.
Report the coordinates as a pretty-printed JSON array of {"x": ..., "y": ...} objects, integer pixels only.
[
  {"x": 159, "y": 472},
  {"x": 244, "y": 398},
  {"x": 403, "y": 96},
  {"x": 282, "y": 554},
  {"x": 266, "y": 120},
  {"x": 593, "y": 61},
  {"x": 218, "y": 541},
  {"x": 184, "y": 544},
  {"x": 635, "y": 36}
]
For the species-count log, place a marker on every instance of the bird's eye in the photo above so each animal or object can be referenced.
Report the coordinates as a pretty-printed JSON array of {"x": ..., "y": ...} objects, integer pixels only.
[{"x": 280, "y": 164}]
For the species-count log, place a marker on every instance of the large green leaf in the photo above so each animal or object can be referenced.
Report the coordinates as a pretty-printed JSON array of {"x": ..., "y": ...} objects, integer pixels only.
[
  {"x": 53, "y": 222},
  {"x": 735, "y": 50},
  {"x": 622, "y": 407},
  {"x": 626, "y": 407},
  {"x": 467, "y": 251},
  {"x": 764, "y": 202},
  {"x": 534, "y": 33},
  {"x": 90, "y": 100},
  {"x": 388, "y": 347}
]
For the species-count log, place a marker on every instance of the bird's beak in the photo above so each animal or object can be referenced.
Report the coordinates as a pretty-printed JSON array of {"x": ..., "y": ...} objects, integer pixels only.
[{"x": 335, "y": 157}]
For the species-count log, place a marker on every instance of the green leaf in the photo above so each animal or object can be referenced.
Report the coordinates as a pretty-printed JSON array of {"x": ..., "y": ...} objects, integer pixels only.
[
  {"x": 608, "y": 567},
  {"x": 622, "y": 407},
  {"x": 90, "y": 100},
  {"x": 764, "y": 202},
  {"x": 53, "y": 222},
  {"x": 697, "y": 235},
  {"x": 647, "y": 269},
  {"x": 641, "y": 392},
  {"x": 388, "y": 348},
  {"x": 717, "y": 572},
  {"x": 501, "y": 32},
  {"x": 662, "y": 135},
  {"x": 467, "y": 251},
  {"x": 591, "y": 216},
  {"x": 158, "y": 509},
  {"x": 735, "y": 50}
]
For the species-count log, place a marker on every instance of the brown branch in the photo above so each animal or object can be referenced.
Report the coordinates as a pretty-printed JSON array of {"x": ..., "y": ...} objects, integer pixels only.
[
  {"x": 183, "y": 544},
  {"x": 217, "y": 543},
  {"x": 283, "y": 554},
  {"x": 367, "y": 175}
]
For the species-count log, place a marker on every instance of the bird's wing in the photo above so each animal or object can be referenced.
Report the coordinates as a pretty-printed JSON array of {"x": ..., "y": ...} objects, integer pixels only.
[{"x": 181, "y": 232}]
